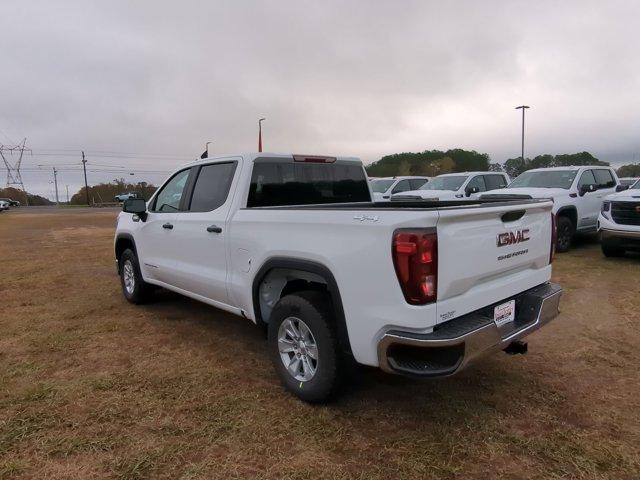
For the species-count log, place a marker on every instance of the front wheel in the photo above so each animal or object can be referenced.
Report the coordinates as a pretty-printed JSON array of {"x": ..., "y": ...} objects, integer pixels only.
[
  {"x": 564, "y": 234},
  {"x": 303, "y": 346},
  {"x": 134, "y": 288}
]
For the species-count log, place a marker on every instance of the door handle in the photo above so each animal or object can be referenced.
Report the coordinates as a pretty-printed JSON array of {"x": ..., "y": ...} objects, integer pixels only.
[
  {"x": 168, "y": 226},
  {"x": 214, "y": 229}
]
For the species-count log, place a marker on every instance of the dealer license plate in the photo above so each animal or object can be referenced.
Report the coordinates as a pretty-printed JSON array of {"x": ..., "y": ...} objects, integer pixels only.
[{"x": 504, "y": 313}]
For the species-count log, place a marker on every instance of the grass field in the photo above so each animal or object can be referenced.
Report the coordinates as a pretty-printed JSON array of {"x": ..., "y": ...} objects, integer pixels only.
[{"x": 93, "y": 387}]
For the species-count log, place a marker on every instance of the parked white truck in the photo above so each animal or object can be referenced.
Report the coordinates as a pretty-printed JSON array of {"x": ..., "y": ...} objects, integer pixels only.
[
  {"x": 294, "y": 243},
  {"x": 452, "y": 186},
  {"x": 577, "y": 194},
  {"x": 383, "y": 187},
  {"x": 619, "y": 222}
]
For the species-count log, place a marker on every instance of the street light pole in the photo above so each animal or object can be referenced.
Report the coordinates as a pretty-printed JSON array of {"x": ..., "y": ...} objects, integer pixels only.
[
  {"x": 55, "y": 181},
  {"x": 260, "y": 134},
  {"x": 523, "y": 108}
]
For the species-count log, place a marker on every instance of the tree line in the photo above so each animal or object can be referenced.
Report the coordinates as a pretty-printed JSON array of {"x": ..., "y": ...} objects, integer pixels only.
[
  {"x": 25, "y": 198},
  {"x": 429, "y": 163},
  {"x": 105, "y": 192},
  {"x": 435, "y": 162}
]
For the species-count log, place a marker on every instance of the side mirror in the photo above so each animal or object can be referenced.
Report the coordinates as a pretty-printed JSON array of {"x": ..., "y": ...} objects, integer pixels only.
[
  {"x": 622, "y": 188},
  {"x": 137, "y": 206},
  {"x": 587, "y": 189},
  {"x": 471, "y": 190}
]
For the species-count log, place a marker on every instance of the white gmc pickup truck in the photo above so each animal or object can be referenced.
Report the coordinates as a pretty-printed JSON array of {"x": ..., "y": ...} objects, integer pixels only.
[{"x": 294, "y": 243}]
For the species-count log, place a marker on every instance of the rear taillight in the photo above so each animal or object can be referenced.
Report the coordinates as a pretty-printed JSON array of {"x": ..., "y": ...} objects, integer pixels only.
[
  {"x": 554, "y": 236},
  {"x": 415, "y": 257}
]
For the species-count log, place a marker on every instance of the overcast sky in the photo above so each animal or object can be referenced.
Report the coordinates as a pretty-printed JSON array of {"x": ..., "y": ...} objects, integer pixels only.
[{"x": 364, "y": 78}]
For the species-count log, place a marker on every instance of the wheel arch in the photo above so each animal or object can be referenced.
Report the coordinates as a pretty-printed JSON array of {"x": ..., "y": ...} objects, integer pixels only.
[
  {"x": 571, "y": 212},
  {"x": 293, "y": 274},
  {"x": 124, "y": 241}
]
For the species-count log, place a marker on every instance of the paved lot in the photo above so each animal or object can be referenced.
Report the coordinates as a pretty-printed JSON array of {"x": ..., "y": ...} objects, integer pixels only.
[{"x": 92, "y": 387}]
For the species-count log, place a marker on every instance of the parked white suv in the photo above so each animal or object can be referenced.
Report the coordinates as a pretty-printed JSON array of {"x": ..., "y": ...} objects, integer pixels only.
[
  {"x": 619, "y": 222},
  {"x": 294, "y": 243},
  {"x": 383, "y": 187},
  {"x": 452, "y": 186},
  {"x": 577, "y": 194},
  {"x": 4, "y": 205}
]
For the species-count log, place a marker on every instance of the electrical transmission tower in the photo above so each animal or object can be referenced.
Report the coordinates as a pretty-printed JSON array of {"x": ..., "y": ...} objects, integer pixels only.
[{"x": 13, "y": 171}]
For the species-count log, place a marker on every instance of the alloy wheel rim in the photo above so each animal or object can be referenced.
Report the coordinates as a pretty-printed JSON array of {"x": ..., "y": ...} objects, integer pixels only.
[
  {"x": 129, "y": 277},
  {"x": 298, "y": 349},
  {"x": 564, "y": 237}
]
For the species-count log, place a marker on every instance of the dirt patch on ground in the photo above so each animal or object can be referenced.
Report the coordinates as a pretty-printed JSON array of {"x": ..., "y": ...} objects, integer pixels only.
[{"x": 93, "y": 387}]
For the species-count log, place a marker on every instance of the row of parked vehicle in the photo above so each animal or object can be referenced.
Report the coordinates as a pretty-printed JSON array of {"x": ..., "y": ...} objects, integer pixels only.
[
  {"x": 586, "y": 199},
  {"x": 7, "y": 203}
]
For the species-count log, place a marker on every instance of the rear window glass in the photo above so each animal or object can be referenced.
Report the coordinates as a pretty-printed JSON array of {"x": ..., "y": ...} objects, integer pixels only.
[{"x": 279, "y": 183}]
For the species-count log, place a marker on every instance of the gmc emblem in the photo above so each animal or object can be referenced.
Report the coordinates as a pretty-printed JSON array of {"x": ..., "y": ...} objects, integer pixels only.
[{"x": 512, "y": 238}]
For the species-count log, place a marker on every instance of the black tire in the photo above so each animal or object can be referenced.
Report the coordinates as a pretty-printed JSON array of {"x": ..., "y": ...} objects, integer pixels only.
[
  {"x": 611, "y": 249},
  {"x": 564, "y": 234},
  {"x": 140, "y": 292},
  {"x": 316, "y": 311}
]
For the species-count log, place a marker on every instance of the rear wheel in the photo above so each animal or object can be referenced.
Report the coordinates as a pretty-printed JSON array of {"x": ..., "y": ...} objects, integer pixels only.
[
  {"x": 134, "y": 288},
  {"x": 304, "y": 347},
  {"x": 564, "y": 234}
]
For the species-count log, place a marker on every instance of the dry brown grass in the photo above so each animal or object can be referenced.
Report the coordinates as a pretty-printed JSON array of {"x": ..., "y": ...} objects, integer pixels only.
[{"x": 92, "y": 387}]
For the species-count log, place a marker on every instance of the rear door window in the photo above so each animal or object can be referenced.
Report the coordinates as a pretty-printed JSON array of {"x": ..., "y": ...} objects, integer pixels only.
[
  {"x": 212, "y": 186},
  {"x": 604, "y": 179},
  {"x": 495, "y": 181}
]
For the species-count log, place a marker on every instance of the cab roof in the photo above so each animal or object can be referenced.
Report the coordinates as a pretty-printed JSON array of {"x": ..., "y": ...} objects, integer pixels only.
[
  {"x": 568, "y": 167},
  {"x": 252, "y": 156},
  {"x": 453, "y": 174}
]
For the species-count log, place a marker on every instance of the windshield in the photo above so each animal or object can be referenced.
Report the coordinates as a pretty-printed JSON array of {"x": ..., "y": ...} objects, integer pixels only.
[
  {"x": 381, "y": 186},
  {"x": 452, "y": 183},
  {"x": 545, "y": 179},
  {"x": 628, "y": 181},
  {"x": 635, "y": 186}
]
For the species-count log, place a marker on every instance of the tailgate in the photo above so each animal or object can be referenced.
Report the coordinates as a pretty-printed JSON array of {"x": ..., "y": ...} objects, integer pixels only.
[{"x": 489, "y": 253}]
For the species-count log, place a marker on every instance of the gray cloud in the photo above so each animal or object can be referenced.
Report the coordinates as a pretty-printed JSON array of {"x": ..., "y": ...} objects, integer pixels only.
[{"x": 362, "y": 78}]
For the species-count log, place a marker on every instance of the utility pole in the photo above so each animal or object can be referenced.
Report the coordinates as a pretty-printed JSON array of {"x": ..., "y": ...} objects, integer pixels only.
[
  {"x": 55, "y": 181},
  {"x": 67, "y": 194},
  {"x": 86, "y": 186},
  {"x": 523, "y": 108},
  {"x": 260, "y": 134}
]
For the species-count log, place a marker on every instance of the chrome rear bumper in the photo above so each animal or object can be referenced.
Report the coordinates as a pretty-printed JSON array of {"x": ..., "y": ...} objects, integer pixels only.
[{"x": 456, "y": 343}]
